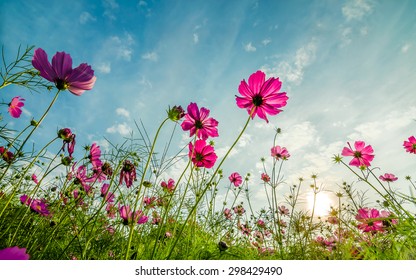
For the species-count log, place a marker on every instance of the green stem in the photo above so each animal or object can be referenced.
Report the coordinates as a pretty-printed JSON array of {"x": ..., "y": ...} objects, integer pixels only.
[
  {"x": 207, "y": 186},
  {"x": 126, "y": 257}
]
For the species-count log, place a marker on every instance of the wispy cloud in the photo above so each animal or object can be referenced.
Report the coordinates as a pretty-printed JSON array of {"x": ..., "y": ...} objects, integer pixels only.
[
  {"x": 293, "y": 69},
  {"x": 195, "y": 38},
  {"x": 152, "y": 56},
  {"x": 249, "y": 47},
  {"x": 266, "y": 41},
  {"x": 405, "y": 48},
  {"x": 104, "y": 67},
  {"x": 356, "y": 9},
  {"x": 110, "y": 6},
  {"x": 86, "y": 17}
]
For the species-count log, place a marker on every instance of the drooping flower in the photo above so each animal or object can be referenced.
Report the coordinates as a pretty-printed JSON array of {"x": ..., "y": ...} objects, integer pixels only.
[
  {"x": 362, "y": 155},
  {"x": 169, "y": 186},
  {"x": 60, "y": 72},
  {"x": 227, "y": 213},
  {"x": 198, "y": 122},
  {"x": 278, "y": 153},
  {"x": 14, "y": 253},
  {"x": 81, "y": 177},
  {"x": 127, "y": 174},
  {"x": 370, "y": 220},
  {"x": 34, "y": 178},
  {"x": 15, "y": 106},
  {"x": 68, "y": 140},
  {"x": 261, "y": 97},
  {"x": 235, "y": 179},
  {"x": 388, "y": 177},
  {"x": 410, "y": 146},
  {"x": 202, "y": 155},
  {"x": 6, "y": 155},
  {"x": 94, "y": 156}
]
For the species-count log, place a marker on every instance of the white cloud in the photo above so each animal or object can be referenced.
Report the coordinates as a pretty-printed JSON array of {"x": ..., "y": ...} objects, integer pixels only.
[
  {"x": 122, "y": 129},
  {"x": 123, "y": 112},
  {"x": 85, "y": 17},
  {"x": 356, "y": 9},
  {"x": 104, "y": 67},
  {"x": 152, "y": 56},
  {"x": 249, "y": 47},
  {"x": 405, "y": 48}
]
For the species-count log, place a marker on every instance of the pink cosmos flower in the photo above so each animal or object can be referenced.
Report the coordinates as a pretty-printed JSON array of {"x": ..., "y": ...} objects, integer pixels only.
[
  {"x": 94, "y": 157},
  {"x": 127, "y": 215},
  {"x": 76, "y": 80},
  {"x": 39, "y": 206},
  {"x": 239, "y": 210},
  {"x": 15, "y": 107},
  {"x": 106, "y": 194},
  {"x": 227, "y": 213},
  {"x": 6, "y": 155},
  {"x": 388, "y": 177},
  {"x": 198, "y": 122},
  {"x": 370, "y": 220},
  {"x": 36, "y": 205},
  {"x": 81, "y": 177},
  {"x": 169, "y": 186},
  {"x": 236, "y": 179},
  {"x": 261, "y": 97},
  {"x": 283, "y": 210},
  {"x": 410, "y": 146},
  {"x": 202, "y": 155},
  {"x": 261, "y": 224},
  {"x": 265, "y": 178},
  {"x": 35, "y": 179},
  {"x": 362, "y": 154},
  {"x": 128, "y": 173},
  {"x": 14, "y": 253},
  {"x": 279, "y": 153}
]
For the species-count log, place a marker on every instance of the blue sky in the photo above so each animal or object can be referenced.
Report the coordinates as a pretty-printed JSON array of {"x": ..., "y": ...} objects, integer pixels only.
[{"x": 347, "y": 67}]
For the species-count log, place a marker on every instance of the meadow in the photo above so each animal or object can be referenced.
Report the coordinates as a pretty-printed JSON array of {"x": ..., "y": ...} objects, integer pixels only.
[{"x": 83, "y": 203}]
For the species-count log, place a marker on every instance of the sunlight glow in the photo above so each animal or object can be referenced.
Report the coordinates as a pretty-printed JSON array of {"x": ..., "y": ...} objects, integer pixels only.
[{"x": 322, "y": 204}]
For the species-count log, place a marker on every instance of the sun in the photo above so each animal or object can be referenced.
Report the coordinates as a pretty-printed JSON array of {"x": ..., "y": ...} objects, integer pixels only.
[{"x": 322, "y": 204}]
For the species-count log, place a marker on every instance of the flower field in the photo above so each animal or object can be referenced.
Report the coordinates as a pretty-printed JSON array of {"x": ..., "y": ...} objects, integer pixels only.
[{"x": 86, "y": 203}]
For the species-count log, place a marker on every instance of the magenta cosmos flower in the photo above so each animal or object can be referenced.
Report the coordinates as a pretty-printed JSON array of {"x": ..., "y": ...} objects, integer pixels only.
[
  {"x": 202, "y": 155},
  {"x": 15, "y": 107},
  {"x": 362, "y": 154},
  {"x": 261, "y": 97},
  {"x": 169, "y": 186},
  {"x": 60, "y": 72},
  {"x": 198, "y": 122},
  {"x": 6, "y": 155},
  {"x": 410, "y": 145},
  {"x": 94, "y": 156},
  {"x": 388, "y": 177},
  {"x": 14, "y": 253},
  {"x": 128, "y": 173},
  {"x": 371, "y": 220},
  {"x": 235, "y": 179},
  {"x": 127, "y": 215},
  {"x": 279, "y": 153}
]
